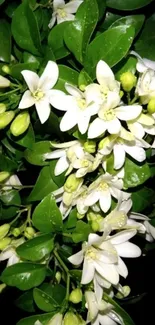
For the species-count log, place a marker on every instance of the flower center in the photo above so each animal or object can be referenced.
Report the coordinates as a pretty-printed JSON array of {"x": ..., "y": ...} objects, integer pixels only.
[
  {"x": 85, "y": 163},
  {"x": 38, "y": 94},
  {"x": 81, "y": 103},
  {"x": 104, "y": 91},
  {"x": 91, "y": 253},
  {"x": 62, "y": 13},
  {"x": 107, "y": 114},
  {"x": 103, "y": 186}
]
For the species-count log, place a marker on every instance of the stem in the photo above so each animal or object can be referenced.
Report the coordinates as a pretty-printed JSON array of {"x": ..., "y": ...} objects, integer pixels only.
[
  {"x": 29, "y": 215},
  {"x": 128, "y": 98},
  {"x": 134, "y": 100},
  {"x": 66, "y": 234},
  {"x": 10, "y": 92},
  {"x": 20, "y": 187},
  {"x": 68, "y": 286},
  {"x": 61, "y": 262}
]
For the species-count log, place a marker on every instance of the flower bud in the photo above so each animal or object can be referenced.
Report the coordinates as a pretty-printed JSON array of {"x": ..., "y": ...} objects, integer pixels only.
[
  {"x": 151, "y": 106},
  {"x": 6, "y": 118},
  {"x": 2, "y": 287},
  {"x": 93, "y": 216},
  {"x": 82, "y": 87},
  {"x": 4, "y": 229},
  {"x": 72, "y": 183},
  {"x": 20, "y": 124},
  {"x": 95, "y": 226},
  {"x": 75, "y": 296},
  {"x": 90, "y": 146},
  {"x": 67, "y": 198},
  {"x": 125, "y": 292},
  {"x": 29, "y": 232},
  {"x": 55, "y": 320},
  {"x": 2, "y": 108},
  {"x": 16, "y": 232},
  {"x": 121, "y": 93},
  {"x": 4, "y": 176},
  {"x": 103, "y": 143},
  {"x": 80, "y": 216},
  {"x": 58, "y": 276},
  {"x": 4, "y": 82},
  {"x": 6, "y": 69},
  {"x": 128, "y": 81},
  {"x": 4, "y": 242},
  {"x": 70, "y": 319}
]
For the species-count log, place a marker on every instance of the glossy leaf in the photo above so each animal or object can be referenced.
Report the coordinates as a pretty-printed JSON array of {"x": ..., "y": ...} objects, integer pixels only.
[
  {"x": 135, "y": 20},
  {"x": 81, "y": 232},
  {"x": 35, "y": 155},
  {"x": 101, "y": 8},
  {"x": 43, "y": 318},
  {"x": 5, "y": 37},
  {"x": 111, "y": 46},
  {"x": 142, "y": 198},
  {"x": 11, "y": 204},
  {"x": 46, "y": 216},
  {"x": 68, "y": 75},
  {"x": 84, "y": 79},
  {"x": 110, "y": 18},
  {"x": 2, "y": 1},
  {"x": 60, "y": 179},
  {"x": 44, "y": 185},
  {"x": 135, "y": 174},
  {"x": 127, "y": 4},
  {"x": 24, "y": 276},
  {"x": 56, "y": 40},
  {"x": 26, "y": 302},
  {"x": 7, "y": 164},
  {"x": 77, "y": 35},
  {"x": 16, "y": 69},
  {"x": 26, "y": 139},
  {"x": 145, "y": 44},
  {"x": 36, "y": 249},
  {"x": 44, "y": 301}
]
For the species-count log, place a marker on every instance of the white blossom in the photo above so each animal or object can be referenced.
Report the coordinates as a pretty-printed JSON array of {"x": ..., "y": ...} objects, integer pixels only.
[
  {"x": 10, "y": 254},
  {"x": 144, "y": 123},
  {"x": 4, "y": 82}
]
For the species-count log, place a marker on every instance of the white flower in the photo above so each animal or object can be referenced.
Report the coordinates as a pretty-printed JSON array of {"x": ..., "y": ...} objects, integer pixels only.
[
  {"x": 143, "y": 64},
  {"x": 63, "y": 12},
  {"x": 10, "y": 252},
  {"x": 144, "y": 123},
  {"x": 56, "y": 320},
  {"x": 78, "y": 107},
  {"x": 4, "y": 82},
  {"x": 100, "y": 312},
  {"x": 83, "y": 164},
  {"x": 39, "y": 92},
  {"x": 120, "y": 147},
  {"x": 11, "y": 182},
  {"x": 102, "y": 189},
  {"x": 103, "y": 256},
  {"x": 146, "y": 86}
]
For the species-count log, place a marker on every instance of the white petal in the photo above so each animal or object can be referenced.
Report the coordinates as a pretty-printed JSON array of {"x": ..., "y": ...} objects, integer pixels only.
[
  {"x": 6, "y": 254},
  {"x": 27, "y": 100},
  {"x": 68, "y": 121},
  {"x": 61, "y": 166},
  {"x": 137, "y": 129},
  {"x": 31, "y": 79},
  {"x": 72, "y": 6},
  {"x": 128, "y": 250},
  {"x": 122, "y": 236},
  {"x": 150, "y": 228},
  {"x": 103, "y": 73},
  {"x": 146, "y": 119},
  {"x": 52, "y": 21},
  {"x": 105, "y": 201},
  {"x": 96, "y": 128},
  {"x": 150, "y": 130},
  {"x": 74, "y": 91},
  {"x": 13, "y": 260},
  {"x": 49, "y": 77},
  {"x": 119, "y": 156},
  {"x": 121, "y": 268},
  {"x": 92, "y": 198},
  {"x": 55, "y": 154},
  {"x": 114, "y": 126},
  {"x": 88, "y": 271},
  {"x": 135, "y": 152},
  {"x": 58, "y": 4},
  {"x": 93, "y": 93},
  {"x": 108, "y": 271},
  {"x": 92, "y": 304},
  {"x": 129, "y": 112},
  {"x": 43, "y": 109},
  {"x": 83, "y": 123},
  {"x": 58, "y": 99},
  {"x": 77, "y": 258},
  {"x": 105, "y": 320}
]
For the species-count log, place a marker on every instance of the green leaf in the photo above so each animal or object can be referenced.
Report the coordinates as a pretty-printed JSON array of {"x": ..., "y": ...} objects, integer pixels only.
[
  {"x": 24, "y": 276},
  {"x": 5, "y": 37},
  {"x": 145, "y": 44},
  {"x": 43, "y": 318},
  {"x": 7, "y": 164},
  {"x": 44, "y": 301},
  {"x": 56, "y": 40},
  {"x": 15, "y": 70},
  {"x": 109, "y": 20},
  {"x": 25, "y": 302},
  {"x": 84, "y": 79},
  {"x": 44, "y": 185},
  {"x": 60, "y": 179},
  {"x": 27, "y": 36},
  {"x": 12, "y": 201},
  {"x": 26, "y": 139},
  {"x": 57, "y": 291},
  {"x": 37, "y": 248},
  {"x": 142, "y": 198},
  {"x": 136, "y": 21},
  {"x": 35, "y": 155},
  {"x": 10, "y": 197},
  {"x": 111, "y": 46},
  {"x": 101, "y": 8},
  {"x": 135, "y": 174},
  {"x": 29, "y": 58},
  {"x": 119, "y": 310},
  {"x": 81, "y": 232},
  {"x": 71, "y": 220},
  {"x": 66, "y": 75},
  {"x": 77, "y": 35},
  {"x": 2, "y": 1},
  {"x": 47, "y": 216},
  {"x": 127, "y": 4}
]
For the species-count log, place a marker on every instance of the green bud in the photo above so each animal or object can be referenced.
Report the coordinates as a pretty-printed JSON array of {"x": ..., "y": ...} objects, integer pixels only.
[
  {"x": 4, "y": 242},
  {"x": 67, "y": 198},
  {"x": 4, "y": 82},
  {"x": 16, "y": 232},
  {"x": 151, "y": 106},
  {"x": 72, "y": 183},
  {"x": 90, "y": 146},
  {"x": 93, "y": 216},
  {"x": 128, "y": 80},
  {"x": 29, "y": 232},
  {"x": 4, "y": 176},
  {"x": 81, "y": 320},
  {"x": 121, "y": 93},
  {"x": 70, "y": 319},
  {"x": 2, "y": 287},
  {"x": 82, "y": 87},
  {"x": 58, "y": 276},
  {"x": 6, "y": 118},
  {"x": 6, "y": 69},
  {"x": 4, "y": 229},
  {"x": 95, "y": 226},
  {"x": 80, "y": 216},
  {"x": 75, "y": 296},
  {"x": 2, "y": 108},
  {"x": 20, "y": 124},
  {"x": 125, "y": 292}
]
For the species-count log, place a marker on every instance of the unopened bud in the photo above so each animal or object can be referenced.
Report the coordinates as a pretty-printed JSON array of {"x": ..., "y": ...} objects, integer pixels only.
[
  {"x": 58, "y": 276},
  {"x": 4, "y": 243},
  {"x": 2, "y": 287},
  {"x": 6, "y": 118},
  {"x": 29, "y": 232},
  {"x": 81, "y": 320},
  {"x": 2, "y": 108},
  {"x": 75, "y": 296},
  {"x": 67, "y": 198},
  {"x": 4, "y": 82},
  {"x": 55, "y": 320},
  {"x": 6, "y": 69},
  {"x": 93, "y": 216},
  {"x": 128, "y": 80},
  {"x": 103, "y": 143},
  {"x": 80, "y": 216},
  {"x": 72, "y": 183},
  {"x": 125, "y": 292},
  {"x": 4, "y": 176},
  {"x": 121, "y": 93},
  {"x": 70, "y": 319},
  {"x": 4, "y": 229},
  {"x": 90, "y": 146},
  {"x": 151, "y": 106},
  {"x": 82, "y": 87},
  {"x": 95, "y": 226},
  {"x": 16, "y": 232},
  {"x": 20, "y": 124}
]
